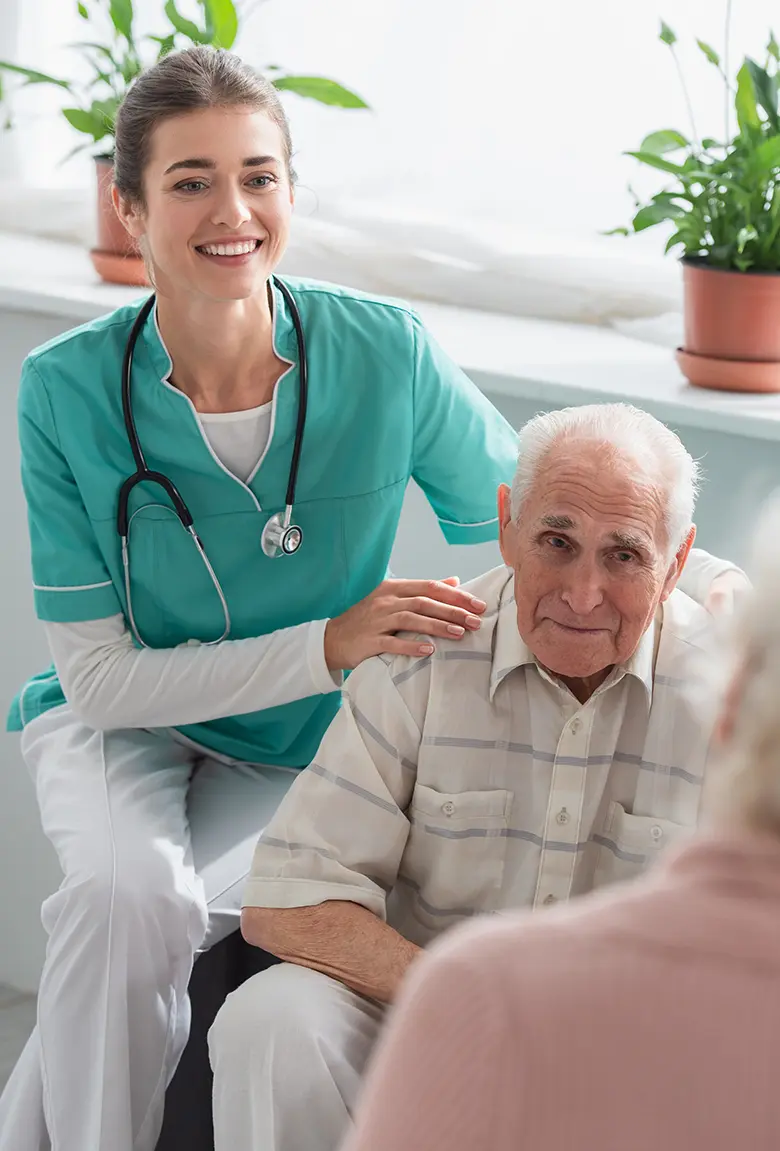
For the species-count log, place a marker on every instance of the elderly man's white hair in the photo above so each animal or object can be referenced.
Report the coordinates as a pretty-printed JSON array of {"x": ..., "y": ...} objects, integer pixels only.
[{"x": 660, "y": 456}]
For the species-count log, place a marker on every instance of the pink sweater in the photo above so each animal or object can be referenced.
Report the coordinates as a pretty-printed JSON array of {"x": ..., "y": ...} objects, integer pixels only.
[{"x": 646, "y": 1018}]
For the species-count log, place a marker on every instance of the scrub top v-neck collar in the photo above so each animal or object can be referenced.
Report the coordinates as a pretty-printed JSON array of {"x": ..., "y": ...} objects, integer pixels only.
[{"x": 152, "y": 382}]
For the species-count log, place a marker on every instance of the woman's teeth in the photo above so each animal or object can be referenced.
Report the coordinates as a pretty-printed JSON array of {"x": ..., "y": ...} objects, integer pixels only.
[{"x": 242, "y": 249}]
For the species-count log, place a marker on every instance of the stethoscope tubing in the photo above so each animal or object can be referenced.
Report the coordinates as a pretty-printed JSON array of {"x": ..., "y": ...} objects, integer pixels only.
[{"x": 143, "y": 474}]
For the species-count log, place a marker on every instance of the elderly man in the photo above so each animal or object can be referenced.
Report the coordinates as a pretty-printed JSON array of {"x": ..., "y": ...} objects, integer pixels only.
[{"x": 552, "y": 751}]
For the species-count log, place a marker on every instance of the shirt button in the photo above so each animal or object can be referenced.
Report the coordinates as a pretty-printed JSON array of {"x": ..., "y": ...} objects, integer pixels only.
[
  {"x": 657, "y": 832},
  {"x": 448, "y": 808},
  {"x": 575, "y": 726},
  {"x": 548, "y": 899},
  {"x": 563, "y": 816}
]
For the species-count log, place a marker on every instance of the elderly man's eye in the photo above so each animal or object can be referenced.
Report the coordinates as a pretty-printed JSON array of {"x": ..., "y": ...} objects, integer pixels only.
[
  {"x": 625, "y": 557},
  {"x": 557, "y": 542}
]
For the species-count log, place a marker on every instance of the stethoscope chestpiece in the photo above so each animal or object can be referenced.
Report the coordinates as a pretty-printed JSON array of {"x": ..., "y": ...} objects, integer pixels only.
[{"x": 280, "y": 537}]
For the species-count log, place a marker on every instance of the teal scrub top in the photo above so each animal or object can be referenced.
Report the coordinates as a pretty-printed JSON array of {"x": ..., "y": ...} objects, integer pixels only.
[{"x": 385, "y": 405}]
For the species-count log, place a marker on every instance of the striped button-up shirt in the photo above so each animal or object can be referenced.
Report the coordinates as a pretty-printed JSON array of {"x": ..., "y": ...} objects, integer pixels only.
[{"x": 474, "y": 781}]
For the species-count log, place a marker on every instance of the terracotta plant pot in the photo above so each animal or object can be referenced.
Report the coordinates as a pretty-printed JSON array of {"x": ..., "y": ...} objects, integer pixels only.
[
  {"x": 116, "y": 258},
  {"x": 732, "y": 329}
]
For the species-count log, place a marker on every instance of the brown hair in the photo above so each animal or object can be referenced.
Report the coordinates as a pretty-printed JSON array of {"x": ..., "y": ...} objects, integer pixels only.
[{"x": 188, "y": 81}]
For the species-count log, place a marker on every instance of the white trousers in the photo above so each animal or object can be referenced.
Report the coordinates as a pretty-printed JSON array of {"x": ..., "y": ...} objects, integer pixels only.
[
  {"x": 155, "y": 838},
  {"x": 288, "y": 1050}
]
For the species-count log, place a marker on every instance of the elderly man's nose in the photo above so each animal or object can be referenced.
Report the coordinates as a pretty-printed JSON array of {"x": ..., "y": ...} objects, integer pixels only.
[{"x": 583, "y": 593}]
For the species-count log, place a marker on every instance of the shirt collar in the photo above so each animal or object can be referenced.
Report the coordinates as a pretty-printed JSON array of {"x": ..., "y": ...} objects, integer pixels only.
[
  {"x": 283, "y": 335},
  {"x": 511, "y": 652}
]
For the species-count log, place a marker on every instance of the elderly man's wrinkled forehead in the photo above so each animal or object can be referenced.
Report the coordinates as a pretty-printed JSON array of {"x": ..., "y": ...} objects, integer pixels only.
[{"x": 583, "y": 481}]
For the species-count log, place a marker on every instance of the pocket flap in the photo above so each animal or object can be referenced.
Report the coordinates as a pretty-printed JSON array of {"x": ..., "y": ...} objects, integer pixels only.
[{"x": 458, "y": 806}]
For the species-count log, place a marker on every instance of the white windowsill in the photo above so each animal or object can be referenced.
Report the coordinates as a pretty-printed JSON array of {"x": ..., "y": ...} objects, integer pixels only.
[{"x": 549, "y": 363}]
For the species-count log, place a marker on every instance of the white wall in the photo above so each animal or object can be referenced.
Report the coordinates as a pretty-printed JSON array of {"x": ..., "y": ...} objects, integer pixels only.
[{"x": 28, "y": 866}]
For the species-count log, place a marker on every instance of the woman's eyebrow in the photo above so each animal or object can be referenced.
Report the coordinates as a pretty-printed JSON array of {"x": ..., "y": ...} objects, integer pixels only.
[{"x": 202, "y": 162}]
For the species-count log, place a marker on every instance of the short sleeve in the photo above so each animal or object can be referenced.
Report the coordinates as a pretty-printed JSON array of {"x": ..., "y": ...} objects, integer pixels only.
[
  {"x": 70, "y": 579},
  {"x": 463, "y": 447}
]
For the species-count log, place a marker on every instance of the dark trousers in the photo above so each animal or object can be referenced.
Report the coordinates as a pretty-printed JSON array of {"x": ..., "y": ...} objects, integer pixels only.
[{"x": 188, "y": 1125}]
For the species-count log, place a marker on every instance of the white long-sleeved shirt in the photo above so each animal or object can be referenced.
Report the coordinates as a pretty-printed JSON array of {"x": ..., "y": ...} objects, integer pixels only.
[{"x": 110, "y": 683}]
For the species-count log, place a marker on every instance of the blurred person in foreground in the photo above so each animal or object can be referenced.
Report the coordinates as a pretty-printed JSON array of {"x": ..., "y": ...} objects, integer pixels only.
[
  {"x": 647, "y": 1017},
  {"x": 553, "y": 751}
]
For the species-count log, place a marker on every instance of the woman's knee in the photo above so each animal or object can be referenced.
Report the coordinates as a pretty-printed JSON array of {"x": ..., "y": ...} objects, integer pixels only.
[{"x": 132, "y": 888}]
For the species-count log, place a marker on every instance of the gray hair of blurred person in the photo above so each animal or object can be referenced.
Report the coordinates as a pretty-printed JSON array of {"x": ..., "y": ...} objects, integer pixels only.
[
  {"x": 623, "y": 431},
  {"x": 745, "y": 785}
]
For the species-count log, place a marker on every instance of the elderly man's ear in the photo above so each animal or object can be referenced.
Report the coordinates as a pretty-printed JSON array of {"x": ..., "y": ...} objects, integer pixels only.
[
  {"x": 677, "y": 564},
  {"x": 507, "y": 528}
]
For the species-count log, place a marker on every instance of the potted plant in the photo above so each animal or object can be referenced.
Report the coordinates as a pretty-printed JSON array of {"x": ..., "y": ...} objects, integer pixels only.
[
  {"x": 723, "y": 201},
  {"x": 115, "y": 55}
]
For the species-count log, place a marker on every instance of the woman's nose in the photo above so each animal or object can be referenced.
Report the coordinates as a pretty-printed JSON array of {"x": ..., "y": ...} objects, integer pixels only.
[{"x": 231, "y": 209}]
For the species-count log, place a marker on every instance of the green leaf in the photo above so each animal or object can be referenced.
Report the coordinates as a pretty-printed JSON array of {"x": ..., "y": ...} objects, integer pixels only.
[
  {"x": 91, "y": 124},
  {"x": 745, "y": 102},
  {"x": 654, "y": 161},
  {"x": 710, "y": 53},
  {"x": 221, "y": 22},
  {"x": 121, "y": 12},
  {"x": 166, "y": 43},
  {"x": 767, "y": 154},
  {"x": 187, "y": 27},
  {"x": 708, "y": 143},
  {"x": 320, "y": 89},
  {"x": 765, "y": 91},
  {"x": 107, "y": 110},
  {"x": 653, "y": 214},
  {"x": 676, "y": 238},
  {"x": 34, "y": 77},
  {"x": 617, "y": 232},
  {"x": 773, "y": 49},
  {"x": 667, "y": 35},
  {"x": 82, "y": 9},
  {"x": 666, "y": 141}
]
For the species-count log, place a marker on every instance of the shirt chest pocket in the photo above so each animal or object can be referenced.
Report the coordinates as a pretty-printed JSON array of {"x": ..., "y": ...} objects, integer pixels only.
[
  {"x": 630, "y": 843},
  {"x": 454, "y": 857}
]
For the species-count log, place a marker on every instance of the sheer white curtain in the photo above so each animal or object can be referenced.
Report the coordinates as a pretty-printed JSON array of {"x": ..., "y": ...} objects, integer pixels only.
[{"x": 492, "y": 154}]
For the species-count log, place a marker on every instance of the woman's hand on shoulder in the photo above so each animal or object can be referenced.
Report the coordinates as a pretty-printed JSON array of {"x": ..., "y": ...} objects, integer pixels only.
[{"x": 428, "y": 607}]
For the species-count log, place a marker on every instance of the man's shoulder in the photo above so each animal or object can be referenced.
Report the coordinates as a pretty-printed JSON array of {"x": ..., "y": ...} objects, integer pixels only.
[
  {"x": 688, "y": 641},
  {"x": 494, "y": 588},
  {"x": 687, "y": 622}
]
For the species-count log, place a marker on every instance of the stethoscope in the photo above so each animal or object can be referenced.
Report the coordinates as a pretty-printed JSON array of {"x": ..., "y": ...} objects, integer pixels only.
[{"x": 280, "y": 536}]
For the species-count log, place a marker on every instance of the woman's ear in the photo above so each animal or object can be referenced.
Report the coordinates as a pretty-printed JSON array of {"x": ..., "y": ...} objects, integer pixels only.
[{"x": 129, "y": 214}]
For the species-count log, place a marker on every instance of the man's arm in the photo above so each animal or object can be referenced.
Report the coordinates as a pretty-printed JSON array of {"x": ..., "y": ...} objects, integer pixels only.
[
  {"x": 316, "y": 894},
  {"x": 343, "y": 940}
]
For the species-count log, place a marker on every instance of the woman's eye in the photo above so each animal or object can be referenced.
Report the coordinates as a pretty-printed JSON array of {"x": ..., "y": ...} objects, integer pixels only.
[
  {"x": 261, "y": 181},
  {"x": 190, "y": 186}
]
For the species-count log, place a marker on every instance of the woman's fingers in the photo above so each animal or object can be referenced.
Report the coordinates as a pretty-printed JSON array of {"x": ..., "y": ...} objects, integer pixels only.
[
  {"x": 392, "y": 645},
  {"x": 428, "y": 625},
  {"x": 435, "y": 610},
  {"x": 436, "y": 590}
]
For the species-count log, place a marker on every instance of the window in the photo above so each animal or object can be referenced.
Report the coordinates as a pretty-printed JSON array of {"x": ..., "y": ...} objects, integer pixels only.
[{"x": 495, "y": 127}]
